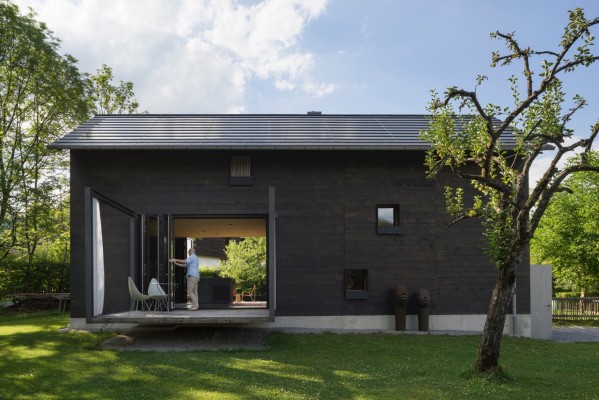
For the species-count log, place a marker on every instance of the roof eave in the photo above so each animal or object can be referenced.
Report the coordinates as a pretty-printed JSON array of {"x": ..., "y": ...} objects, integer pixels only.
[{"x": 58, "y": 146}]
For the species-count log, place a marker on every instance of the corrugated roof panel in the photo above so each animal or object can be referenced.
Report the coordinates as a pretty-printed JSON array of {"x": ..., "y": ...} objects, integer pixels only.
[{"x": 268, "y": 132}]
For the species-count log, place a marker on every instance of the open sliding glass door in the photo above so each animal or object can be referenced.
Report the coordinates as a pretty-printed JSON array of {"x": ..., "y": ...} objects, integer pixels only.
[
  {"x": 156, "y": 249},
  {"x": 167, "y": 252},
  {"x": 149, "y": 249}
]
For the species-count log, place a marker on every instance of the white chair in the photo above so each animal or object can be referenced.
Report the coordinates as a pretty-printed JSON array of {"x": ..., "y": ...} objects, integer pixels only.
[
  {"x": 137, "y": 297},
  {"x": 158, "y": 296}
]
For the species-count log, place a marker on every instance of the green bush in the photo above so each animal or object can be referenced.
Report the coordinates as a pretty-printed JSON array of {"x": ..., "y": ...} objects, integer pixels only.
[
  {"x": 246, "y": 262},
  {"x": 210, "y": 272},
  {"x": 43, "y": 277},
  {"x": 563, "y": 295}
]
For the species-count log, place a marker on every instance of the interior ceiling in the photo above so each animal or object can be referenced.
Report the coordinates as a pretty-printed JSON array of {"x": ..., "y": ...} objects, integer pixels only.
[{"x": 219, "y": 227}]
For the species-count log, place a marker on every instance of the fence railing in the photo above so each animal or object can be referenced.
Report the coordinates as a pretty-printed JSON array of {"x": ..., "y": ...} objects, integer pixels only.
[
  {"x": 62, "y": 300},
  {"x": 575, "y": 308}
]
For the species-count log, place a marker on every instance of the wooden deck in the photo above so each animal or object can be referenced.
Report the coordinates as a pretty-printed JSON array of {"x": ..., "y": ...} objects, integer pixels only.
[{"x": 181, "y": 316}]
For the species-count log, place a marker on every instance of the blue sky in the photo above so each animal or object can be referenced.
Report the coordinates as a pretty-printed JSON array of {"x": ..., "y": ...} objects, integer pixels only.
[
  {"x": 292, "y": 56},
  {"x": 365, "y": 56}
]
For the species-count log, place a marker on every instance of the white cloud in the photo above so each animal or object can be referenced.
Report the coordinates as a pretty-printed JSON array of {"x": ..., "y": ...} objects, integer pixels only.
[
  {"x": 190, "y": 55},
  {"x": 320, "y": 89},
  {"x": 538, "y": 168}
]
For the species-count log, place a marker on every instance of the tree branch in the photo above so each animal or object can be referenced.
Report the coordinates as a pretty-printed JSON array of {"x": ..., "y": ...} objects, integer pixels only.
[
  {"x": 466, "y": 214},
  {"x": 551, "y": 75},
  {"x": 453, "y": 93},
  {"x": 492, "y": 183},
  {"x": 533, "y": 129}
]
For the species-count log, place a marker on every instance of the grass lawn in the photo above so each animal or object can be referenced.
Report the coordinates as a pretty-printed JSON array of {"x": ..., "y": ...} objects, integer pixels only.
[{"x": 38, "y": 362}]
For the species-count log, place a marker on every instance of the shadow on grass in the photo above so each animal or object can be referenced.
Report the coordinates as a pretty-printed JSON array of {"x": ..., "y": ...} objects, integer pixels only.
[{"x": 37, "y": 361}]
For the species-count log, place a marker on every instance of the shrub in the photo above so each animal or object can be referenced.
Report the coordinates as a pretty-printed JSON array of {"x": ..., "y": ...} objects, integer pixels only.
[
  {"x": 43, "y": 277},
  {"x": 246, "y": 262},
  {"x": 210, "y": 272},
  {"x": 563, "y": 295}
]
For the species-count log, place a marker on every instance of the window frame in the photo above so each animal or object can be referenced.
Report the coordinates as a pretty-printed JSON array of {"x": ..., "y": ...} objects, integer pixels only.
[
  {"x": 355, "y": 294},
  {"x": 388, "y": 230},
  {"x": 241, "y": 180}
]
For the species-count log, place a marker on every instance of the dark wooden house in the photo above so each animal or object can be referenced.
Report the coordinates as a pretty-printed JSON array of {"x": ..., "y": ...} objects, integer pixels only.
[{"x": 342, "y": 200}]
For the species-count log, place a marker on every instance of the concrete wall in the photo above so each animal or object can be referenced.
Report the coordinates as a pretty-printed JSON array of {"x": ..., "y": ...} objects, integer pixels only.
[
  {"x": 439, "y": 324},
  {"x": 540, "y": 301}
]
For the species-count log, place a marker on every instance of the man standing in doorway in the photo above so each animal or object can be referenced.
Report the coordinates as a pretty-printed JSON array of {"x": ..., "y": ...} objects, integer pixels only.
[{"x": 193, "y": 275}]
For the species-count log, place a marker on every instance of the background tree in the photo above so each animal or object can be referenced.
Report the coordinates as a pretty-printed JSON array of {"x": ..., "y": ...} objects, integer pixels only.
[
  {"x": 568, "y": 234},
  {"x": 42, "y": 94},
  {"x": 105, "y": 98},
  {"x": 246, "y": 262},
  {"x": 510, "y": 213}
]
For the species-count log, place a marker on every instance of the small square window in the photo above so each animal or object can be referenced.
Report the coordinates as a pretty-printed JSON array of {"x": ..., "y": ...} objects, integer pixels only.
[
  {"x": 356, "y": 284},
  {"x": 241, "y": 171},
  {"x": 387, "y": 219}
]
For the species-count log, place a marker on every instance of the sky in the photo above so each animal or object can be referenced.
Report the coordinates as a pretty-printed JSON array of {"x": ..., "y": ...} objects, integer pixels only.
[{"x": 294, "y": 56}]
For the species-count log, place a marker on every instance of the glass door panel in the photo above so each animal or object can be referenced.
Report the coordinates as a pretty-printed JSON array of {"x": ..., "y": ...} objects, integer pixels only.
[
  {"x": 156, "y": 249},
  {"x": 166, "y": 269},
  {"x": 149, "y": 249}
]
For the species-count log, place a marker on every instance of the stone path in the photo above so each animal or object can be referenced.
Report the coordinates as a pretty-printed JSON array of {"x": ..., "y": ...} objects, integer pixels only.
[{"x": 572, "y": 334}]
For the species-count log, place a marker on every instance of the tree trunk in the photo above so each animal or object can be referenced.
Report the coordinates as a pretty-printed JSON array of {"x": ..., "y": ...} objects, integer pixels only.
[
  {"x": 27, "y": 283},
  {"x": 488, "y": 352}
]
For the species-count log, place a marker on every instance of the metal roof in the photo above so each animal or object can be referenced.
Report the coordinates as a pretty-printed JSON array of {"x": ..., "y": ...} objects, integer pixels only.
[{"x": 311, "y": 131}]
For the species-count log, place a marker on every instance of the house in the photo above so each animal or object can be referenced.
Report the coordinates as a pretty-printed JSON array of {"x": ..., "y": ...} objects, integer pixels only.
[{"x": 342, "y": 200}]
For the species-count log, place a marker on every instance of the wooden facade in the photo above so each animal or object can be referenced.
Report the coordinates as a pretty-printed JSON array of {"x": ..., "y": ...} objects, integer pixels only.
[{"x": 326, "y": 223}]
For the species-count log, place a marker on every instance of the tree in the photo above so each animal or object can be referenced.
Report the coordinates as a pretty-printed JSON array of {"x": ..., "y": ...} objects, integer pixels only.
[
  {"x": 246, "y": 262},
  {"x": 498, "y": 176},
  {"x": 568, "y": 233},
  {"x": 104, "y": 98},
  {"x": 42, "y": 94}
]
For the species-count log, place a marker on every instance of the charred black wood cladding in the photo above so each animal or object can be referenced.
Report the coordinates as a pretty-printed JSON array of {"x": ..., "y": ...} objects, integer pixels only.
[{"x": 326, "y": 205}]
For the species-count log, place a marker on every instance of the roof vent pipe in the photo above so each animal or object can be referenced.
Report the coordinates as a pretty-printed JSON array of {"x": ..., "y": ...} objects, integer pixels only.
[{"x": 314, "y": 112}]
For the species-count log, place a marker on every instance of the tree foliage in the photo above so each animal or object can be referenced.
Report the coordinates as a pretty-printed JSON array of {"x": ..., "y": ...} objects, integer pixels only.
[
  {"x": 246, "y": 262},
  {"x": 105, "y": 98},
  {"x": 42, "y": 94},
  {"x": 568, "y": 234},
  {"x": 469, "y": 138}
]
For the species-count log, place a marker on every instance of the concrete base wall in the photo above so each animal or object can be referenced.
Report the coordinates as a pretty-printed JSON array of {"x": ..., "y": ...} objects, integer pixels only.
[
  {"x": 464, "y": 323},
  {"x": 81, "y": 324},
  {"x": 460, "y": 323}
]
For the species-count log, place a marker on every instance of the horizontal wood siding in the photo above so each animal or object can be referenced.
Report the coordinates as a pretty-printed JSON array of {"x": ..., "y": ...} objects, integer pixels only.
[{"x": 326, "y": 205}]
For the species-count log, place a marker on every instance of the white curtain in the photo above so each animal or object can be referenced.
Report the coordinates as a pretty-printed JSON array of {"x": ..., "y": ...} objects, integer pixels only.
[{"x": 98, "y": 260}]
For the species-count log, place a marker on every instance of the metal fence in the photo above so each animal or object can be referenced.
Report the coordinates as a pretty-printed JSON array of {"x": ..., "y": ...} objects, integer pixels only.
[{"x": 575, "y": 308}]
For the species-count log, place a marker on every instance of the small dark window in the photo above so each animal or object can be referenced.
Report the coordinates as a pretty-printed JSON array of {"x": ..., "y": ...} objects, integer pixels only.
[
  {"x": 356, "y": 284},
  {"x": 241, "y": 171},
  {"x": 387, "y": 219}
]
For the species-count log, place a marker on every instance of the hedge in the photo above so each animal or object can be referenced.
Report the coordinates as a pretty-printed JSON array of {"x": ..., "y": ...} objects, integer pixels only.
[{"x": 44, "y": 277}]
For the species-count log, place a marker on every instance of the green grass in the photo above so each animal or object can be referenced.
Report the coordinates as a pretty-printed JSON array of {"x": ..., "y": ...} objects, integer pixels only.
[{"x": 38, "y": 362}]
